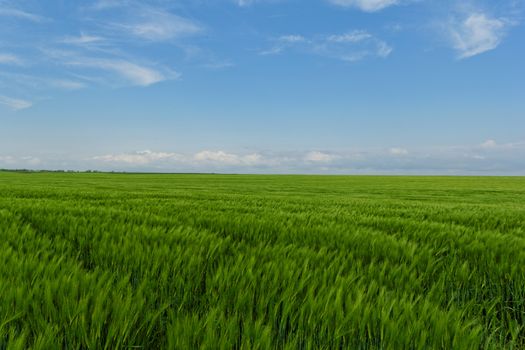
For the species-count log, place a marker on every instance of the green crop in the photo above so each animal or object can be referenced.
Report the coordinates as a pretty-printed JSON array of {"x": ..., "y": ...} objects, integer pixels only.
[{"x": 126, "y": 261}]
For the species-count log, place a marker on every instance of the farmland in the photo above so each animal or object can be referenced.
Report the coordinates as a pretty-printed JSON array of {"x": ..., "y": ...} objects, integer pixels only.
[{"x": 109, "y": 261}]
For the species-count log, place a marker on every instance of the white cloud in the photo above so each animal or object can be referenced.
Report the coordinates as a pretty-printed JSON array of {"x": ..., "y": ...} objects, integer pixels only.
[
  {"x": 134, "y": 73},
  {"x": 396, "y": 151},
  {"x": 246, "y": 3},
  {"x": 108, "y": 4},
  {"x": 292, "y": 38},
  {"x": 10, "y": 59},
  {"x": 143, "y": 20},
  {"x": 351, "y": 46},
  {"x": 82, "y": 39},
  {"x": 40, "y": 83},
  {"x": 124, "y": 70},
  {"x": 213, "y": 159},
  {"x": 224, "y": 158},
  {"x": 24, "y": 161},
  {"x": 110, "y": 52},
  {"x": 203, "y": 158},
  {"x": 320, "y": 157},
  {"x": 477, "y": 33},
  {"x": 383, "y": 49},
  {"x": 31, "y": 160},
  {"x": 275, "y": 50},
  {"x": 489, "y": 144},
  {"x": 155, "y": 24},
  {"x": 366, "y": 5},
  {"x": 217, "y": 65},
  {"x": 14, "y": 103},
  {"x": 15, "y": 13},
  {"x": 363, "y": 5},
  {"x": 217, "y": 156},
  {"x": 350, "y": 37},
  {"x": 243, "y": 3},
  {"x": 283, "y": 42},
  {"x": 253, "y": 159},
  {"x": 138, "y": 158},
  {"x": 502, "y": 158},
  {"x": 67, "y": 84}
]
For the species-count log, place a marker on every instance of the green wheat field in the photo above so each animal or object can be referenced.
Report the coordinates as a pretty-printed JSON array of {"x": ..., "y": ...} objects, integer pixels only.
[{"x": 131, "y": 261}]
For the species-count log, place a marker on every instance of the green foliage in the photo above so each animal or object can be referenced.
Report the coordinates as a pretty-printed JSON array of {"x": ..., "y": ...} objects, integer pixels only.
[{"x": 116, "y": 261}]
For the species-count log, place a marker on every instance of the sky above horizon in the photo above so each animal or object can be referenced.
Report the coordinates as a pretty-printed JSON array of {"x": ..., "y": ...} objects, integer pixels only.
[{"x": 264, "y": 86}]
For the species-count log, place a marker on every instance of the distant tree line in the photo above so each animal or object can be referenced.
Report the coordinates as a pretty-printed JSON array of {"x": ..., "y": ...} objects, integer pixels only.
[{"x": 49, "y": 171}]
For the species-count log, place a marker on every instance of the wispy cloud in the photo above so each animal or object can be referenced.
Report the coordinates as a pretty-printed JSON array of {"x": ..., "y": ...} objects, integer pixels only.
[
  {"x": 33, "y": 82},
  {"x": 15, "y": 104},
  {"x": 292, "y": 39},
  {"x": 225, "y": 158},
  {"x": 363, "y": 5},
  {"x": 157, "y": 25},
  {"x": 20, "y": 162},
  {"x": 67, "y": 84},
  {"x": 121, "y": 69},
  {"x": 243, "y": 3},
  {"x": 132, "y": 72},
  {"x": 138, "y": 158},
  {"x": 202, "y": 158},
  {"x": 504, "y": 158},
  {"x": 139, "y": 20},
  {"x": 351, "y": 46},
  {"x": 284, "y": 42},
  {"x": 10, "y": 59},
  {"x": 366, "y": 5},
  {"x": 319, "y": 157},
  {"x": 218, "y": 65},
  {"x": 489, "y": 144},
  {"x": 82, "y": 39},
  {"x": 477, "y": 33},
  {"x": 484, "y": 158},
  {"x": 103, "y": 42},
  {"x": 19, "y": 14},
  {"x": 351, "y": 37},
  {"x": 246, "y": 3},
  {"x": 397, "y": 151},
  {"x": 108, "y": 4}
]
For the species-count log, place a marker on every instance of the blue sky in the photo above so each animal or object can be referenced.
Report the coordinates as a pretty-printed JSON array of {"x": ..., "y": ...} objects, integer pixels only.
[{"x": 264, "y": 86}]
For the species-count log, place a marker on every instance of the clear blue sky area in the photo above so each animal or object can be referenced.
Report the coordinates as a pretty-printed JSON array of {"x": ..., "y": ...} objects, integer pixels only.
[{"x": 264, "y": 86}]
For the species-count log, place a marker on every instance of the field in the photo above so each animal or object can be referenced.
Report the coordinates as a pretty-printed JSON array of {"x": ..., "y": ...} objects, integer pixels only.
[{"x": 120, "y": 261}]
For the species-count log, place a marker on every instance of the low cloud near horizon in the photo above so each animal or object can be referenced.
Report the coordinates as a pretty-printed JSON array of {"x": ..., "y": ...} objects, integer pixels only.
[{"x": 486, "y": 158}]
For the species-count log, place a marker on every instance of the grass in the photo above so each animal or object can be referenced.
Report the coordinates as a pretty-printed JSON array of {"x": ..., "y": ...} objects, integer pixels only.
[{"x": 116, "y": 261}]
